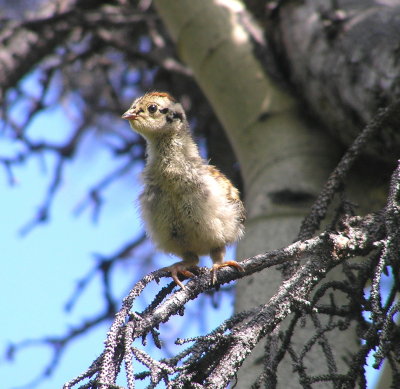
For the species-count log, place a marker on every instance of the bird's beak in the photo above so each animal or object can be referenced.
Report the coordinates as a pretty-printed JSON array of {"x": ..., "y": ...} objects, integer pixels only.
[{"x": 129, "y": 115}]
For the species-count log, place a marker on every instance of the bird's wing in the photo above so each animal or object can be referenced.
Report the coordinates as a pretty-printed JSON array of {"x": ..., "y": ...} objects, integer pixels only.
[{"x": 231, "y": 192}]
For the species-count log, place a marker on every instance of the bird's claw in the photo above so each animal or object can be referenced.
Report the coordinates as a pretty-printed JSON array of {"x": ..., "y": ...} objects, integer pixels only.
[
  {"x": 176, "y": 269},
  {"x": 217, "y": 266}
]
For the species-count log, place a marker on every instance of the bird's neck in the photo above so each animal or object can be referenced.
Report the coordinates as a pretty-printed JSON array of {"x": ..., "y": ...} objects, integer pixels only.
[{"x": 174, "y": 152}]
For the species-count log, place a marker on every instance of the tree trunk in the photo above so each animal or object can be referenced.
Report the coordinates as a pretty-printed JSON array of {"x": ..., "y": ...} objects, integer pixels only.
[
  {"x": 343, "y": 59},
  {"x": 284, "y": 160}
]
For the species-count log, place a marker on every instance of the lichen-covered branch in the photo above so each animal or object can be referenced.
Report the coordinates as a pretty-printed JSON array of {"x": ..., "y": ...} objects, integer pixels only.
[{"x": 213, "y": 360}]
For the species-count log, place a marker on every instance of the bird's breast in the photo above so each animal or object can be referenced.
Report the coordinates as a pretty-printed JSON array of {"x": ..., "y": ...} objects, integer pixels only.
[{"x": 183, "y": 215}]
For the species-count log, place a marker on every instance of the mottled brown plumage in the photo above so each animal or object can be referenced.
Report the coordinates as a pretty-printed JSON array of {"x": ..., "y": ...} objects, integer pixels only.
[{"x": 189, "y": 207}]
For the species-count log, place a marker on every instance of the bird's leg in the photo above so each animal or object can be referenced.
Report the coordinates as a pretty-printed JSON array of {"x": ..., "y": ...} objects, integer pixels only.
[
  {"x": 217, "y": 255},
  {"x": 189, "y": 260}
]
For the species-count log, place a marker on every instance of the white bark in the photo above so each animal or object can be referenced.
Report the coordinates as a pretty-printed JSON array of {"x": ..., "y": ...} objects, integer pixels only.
[{"x": 284, "y": 161}]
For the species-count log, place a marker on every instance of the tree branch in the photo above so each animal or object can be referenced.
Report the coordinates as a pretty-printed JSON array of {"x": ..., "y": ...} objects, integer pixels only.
[{"x": 233, "y": 341}]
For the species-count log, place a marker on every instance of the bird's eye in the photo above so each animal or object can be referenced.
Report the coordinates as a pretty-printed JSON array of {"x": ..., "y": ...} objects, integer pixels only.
[{"x": 152, "y": 108}]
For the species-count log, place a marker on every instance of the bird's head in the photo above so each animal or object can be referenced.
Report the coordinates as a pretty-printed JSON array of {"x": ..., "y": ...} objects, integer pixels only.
[{"x": 155, "y": 114}]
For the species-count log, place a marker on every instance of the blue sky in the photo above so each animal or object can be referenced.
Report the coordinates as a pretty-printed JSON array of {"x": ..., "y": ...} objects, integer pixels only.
[{"x": 41, "y": 268}]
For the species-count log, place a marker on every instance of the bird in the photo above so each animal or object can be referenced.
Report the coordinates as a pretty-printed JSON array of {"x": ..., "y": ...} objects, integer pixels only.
[{"x": 188, "y": 206}]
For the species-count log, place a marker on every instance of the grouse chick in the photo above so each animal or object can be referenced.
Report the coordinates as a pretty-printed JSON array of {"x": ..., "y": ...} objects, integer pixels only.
[{"x": 189, "y": 207}]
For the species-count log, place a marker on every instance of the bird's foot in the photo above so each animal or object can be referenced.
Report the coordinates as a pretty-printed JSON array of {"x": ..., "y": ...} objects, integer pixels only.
[
  {"x": 179, "y": 268},
  {"x": 217, "y": 266}
]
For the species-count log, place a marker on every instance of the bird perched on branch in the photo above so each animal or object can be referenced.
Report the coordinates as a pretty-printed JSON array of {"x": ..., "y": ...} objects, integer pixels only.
[{"x": 189, "y": 207}]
